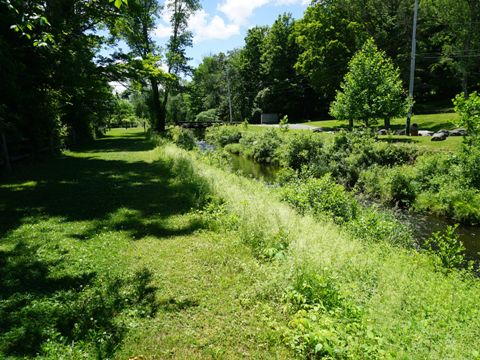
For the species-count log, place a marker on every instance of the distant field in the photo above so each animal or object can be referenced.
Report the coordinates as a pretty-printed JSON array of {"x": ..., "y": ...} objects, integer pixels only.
[{"x": 433, "y": 122}]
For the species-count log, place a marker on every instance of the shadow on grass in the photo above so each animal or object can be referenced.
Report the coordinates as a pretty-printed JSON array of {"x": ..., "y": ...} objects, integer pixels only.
[
  {"x": 92, "y": 189},
  {"x": 39, "y": 309},
  {"x": 39, "y": 299}
]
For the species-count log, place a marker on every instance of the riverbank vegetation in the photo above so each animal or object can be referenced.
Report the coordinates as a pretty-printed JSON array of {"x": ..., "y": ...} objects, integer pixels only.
[
  {"x": 397, "y": 175},
  {"x": 345, "y": 295},
  {"x": 166, "y": 255}
]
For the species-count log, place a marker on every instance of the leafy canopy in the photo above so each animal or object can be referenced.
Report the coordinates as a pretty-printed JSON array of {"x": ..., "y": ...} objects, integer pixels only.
[{"x": 372, "y": 89}]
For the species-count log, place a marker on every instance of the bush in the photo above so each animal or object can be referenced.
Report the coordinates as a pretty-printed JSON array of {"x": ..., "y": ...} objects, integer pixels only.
[
  {"x": 448, "y": 249},
  {"x": 263, "y": 147},
  {"x": 350, "y": 153},
  {"x": 301, "y": 149},
  {"x": 393, "y": 186},
  {"x": 223, "y": 135},
  {"x": 208, "y": 115},
  {"x": 452, "y": 199},
  {"x": 322, "y": 197},
  {"x": 184, "y": 138}
]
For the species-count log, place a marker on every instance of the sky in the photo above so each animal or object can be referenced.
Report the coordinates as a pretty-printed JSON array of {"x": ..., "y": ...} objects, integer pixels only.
[{"x": 221, "y": 25}]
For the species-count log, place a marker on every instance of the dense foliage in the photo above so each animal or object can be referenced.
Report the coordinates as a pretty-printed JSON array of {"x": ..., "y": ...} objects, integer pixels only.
[
  {"x": 295, "y": 67},
  {"x": 371, "y": 90}
]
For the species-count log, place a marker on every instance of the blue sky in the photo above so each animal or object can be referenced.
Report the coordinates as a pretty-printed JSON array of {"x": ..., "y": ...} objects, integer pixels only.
[{"x": 221, "y": 25}]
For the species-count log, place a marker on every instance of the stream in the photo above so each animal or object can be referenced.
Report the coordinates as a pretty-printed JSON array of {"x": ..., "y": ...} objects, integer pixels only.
[{"x": 423, "y": 225}]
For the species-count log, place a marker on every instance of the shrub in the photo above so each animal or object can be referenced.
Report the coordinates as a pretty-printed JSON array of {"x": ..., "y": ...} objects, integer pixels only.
[
  {"x": 322, "y": 197},
  {"x": 207, "y": 115},
  {"x": 448, "y": 249},
  {"x": 223, "y": 135},
  {"x": 301, "y": 149},
  {"x": 182, "y": 137},
  {"x": 393, "y": 186},
  {"x": 263, "y": 147},
  {"x": 452, "y": 199}
]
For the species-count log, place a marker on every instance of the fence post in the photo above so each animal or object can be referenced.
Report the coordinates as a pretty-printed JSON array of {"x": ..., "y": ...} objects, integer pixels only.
[{"x": 5, "y": 152}]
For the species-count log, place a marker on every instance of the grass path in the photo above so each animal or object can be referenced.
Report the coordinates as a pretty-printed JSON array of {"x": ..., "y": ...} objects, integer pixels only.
[{"x": 86, "y": 239}]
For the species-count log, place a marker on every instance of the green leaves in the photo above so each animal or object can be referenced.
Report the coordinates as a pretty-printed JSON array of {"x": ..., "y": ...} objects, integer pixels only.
[
  {"x": 372, "y": 88},
  {"x": 118, "y": 3},
  {"x": 469, "y": 111}
]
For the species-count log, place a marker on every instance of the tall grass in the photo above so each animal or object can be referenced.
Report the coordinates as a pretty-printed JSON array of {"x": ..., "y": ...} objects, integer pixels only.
[{"x": 373, "y": 300}]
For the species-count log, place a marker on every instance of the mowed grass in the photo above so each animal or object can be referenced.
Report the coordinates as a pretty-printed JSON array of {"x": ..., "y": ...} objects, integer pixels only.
[
  {"x": 104, "y": 254},
  {"x": 432, "y": 122}
]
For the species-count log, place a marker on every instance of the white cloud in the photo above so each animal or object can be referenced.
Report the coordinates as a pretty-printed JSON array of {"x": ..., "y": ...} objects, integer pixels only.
[
  {"x": 162, "y": 31},
  {"x": 216, "y": 28},
  {"x": 238, "y": 11},
  {"x": 206, "y": 27}
]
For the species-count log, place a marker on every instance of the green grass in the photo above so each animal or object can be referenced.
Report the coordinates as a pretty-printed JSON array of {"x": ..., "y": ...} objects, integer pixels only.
[
  {"x": 432, "y": 122},
  {"x": 120, "y": 216},
  {"x": 105, "y": 254}
]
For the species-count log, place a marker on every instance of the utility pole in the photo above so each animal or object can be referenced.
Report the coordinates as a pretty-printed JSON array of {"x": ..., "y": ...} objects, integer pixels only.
[{"x": 412, "y": 67}]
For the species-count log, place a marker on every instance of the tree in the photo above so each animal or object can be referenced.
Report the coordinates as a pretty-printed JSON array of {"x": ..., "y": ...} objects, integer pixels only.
[
  {"x": 180, "y": 40},
  {"x": 283, "y": 90},
  {"x": 459, "y": 36},
  {"x": 135, "y": 27},
  {"x": 371, "y": 90},
  {"x": 249, "y": 64},
  {"x": 327, "y": 39}
]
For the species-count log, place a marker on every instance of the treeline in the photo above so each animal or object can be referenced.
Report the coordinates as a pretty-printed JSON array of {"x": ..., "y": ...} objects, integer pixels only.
[
  {"x": 295, "y": 67},
  {"x": 55, "y": 80}
]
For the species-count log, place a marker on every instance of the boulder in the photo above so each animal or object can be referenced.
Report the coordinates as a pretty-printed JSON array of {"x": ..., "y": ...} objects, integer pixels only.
[
  {"x": 440, "y": 136},
  {"x": 318, "y": 129},
  {"x": 458, "y": 132},
  {"x": 382, "y": 132},
  {"x": 425, "y": 133},
  {"x": 400, "y": 132}
]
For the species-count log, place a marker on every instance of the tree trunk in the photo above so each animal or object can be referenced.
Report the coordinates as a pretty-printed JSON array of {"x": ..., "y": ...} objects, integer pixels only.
[
  {"x": 387, "y": 123},
  {"x": 350, "y": 124},
  {"x": 159, "y": 120}
]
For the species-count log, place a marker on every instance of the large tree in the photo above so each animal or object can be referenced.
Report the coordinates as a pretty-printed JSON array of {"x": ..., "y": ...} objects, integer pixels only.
[
  {"x": 459, "y": 37},
  {"x": 135, "y": 26},
  {"x": 180, "y": 40},
  {"x": 371, "y": 90}
]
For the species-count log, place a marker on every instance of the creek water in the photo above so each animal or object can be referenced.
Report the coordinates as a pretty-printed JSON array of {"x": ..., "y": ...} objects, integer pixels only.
[
  {"x": 250, "y": 168},
  {"x": 423, "y": 226}
]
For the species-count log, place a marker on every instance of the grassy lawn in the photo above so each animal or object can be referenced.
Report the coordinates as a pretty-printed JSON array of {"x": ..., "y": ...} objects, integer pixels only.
[
  {"x": 432, "y": 122},
  {"x": 103, "y": 254}
]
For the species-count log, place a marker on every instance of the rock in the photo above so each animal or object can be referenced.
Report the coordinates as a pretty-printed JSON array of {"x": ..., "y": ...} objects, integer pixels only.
[
  {"x": 458, "y": 132},
  {"x": 440, "y": 136},
  {"x": 382, "y": 132},
  {"x": 318, "y": 129},
  {"x": 425, "y": 133},
  {"x": 400, "y": 132}
]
